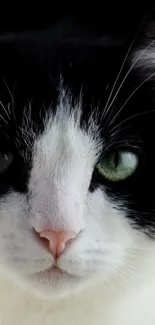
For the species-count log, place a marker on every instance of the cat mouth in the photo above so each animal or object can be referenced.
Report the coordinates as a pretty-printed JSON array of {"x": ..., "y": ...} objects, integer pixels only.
[{"x": 54, "y": 271}]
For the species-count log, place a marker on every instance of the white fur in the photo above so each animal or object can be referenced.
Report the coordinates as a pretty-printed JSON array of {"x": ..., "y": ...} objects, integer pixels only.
[
  {"x": 107, "y": 247},
  {"x": 122, "y": 300},
  {"x": 144, "y": 58}
]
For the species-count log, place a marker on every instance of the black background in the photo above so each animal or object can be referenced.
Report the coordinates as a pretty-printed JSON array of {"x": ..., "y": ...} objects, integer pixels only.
[{"x": 121, "y": 15}]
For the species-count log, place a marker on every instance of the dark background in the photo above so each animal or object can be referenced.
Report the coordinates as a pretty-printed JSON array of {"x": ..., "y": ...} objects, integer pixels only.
[{"x": 118, "y": 15}]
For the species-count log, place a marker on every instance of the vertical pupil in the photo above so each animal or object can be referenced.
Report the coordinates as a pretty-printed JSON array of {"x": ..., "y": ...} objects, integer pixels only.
[{"x": 116, "y": 159}]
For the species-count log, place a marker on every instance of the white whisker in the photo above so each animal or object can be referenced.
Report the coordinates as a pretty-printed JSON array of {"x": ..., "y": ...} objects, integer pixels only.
[
  {"x": 119, "y": 279},
  {"x": 8, "y": 109},
  {"x": 126, "y": 274},
  {"x": 130, "y": 118},
  {"x": 12, "y": 99},
  {"x": 4, "y": 110},
  {"x": 121, "y": 68},
  {"x": 1, "y": 117},
  {"x": 131, "y": 95},
  {"x": 131, "y": 68}
]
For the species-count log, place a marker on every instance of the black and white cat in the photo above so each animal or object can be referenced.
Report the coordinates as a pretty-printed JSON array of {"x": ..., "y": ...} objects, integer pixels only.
[{"x": 77, "y": 175}]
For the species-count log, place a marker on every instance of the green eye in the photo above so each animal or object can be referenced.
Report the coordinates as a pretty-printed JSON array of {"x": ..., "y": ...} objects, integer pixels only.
[
  {"x": 5, "y": 161},
  {"x": 118, "y": 166}
]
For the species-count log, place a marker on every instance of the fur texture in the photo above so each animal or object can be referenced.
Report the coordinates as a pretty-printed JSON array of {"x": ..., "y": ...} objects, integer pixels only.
[{"x": 68, "y": 100}]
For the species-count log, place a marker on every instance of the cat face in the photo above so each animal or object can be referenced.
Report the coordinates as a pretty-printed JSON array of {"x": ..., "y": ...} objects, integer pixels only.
[
  {"x": 76, "y": 158},
  {"x": 58, "y": 198}
]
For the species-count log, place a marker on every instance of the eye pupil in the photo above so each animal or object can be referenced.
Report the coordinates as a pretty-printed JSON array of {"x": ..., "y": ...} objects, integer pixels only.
[
  {"x": 118, "y": 165},
  {"x": 116, "y": 159}
]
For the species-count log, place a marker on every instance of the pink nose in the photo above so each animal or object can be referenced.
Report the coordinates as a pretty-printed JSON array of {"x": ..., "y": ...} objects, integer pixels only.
[{"x": 57, "y": 240}]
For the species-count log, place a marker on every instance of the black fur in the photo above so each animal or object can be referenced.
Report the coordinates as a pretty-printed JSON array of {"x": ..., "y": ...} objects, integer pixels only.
[{"x": 87, "y": 56}]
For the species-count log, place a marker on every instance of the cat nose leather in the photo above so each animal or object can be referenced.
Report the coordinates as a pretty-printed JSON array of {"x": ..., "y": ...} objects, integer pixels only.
[{"x": 57, "y": 240}]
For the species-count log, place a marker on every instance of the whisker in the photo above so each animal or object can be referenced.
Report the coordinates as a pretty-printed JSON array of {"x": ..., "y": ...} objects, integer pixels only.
[
  {"x": 121, "y": 68},
  {"x": 131, "y": 68},
  {"x": 8, "y": 108},
  {"x": 129, "y": 267},
  {"x": 127, "y": 274},
  {"x": 134, "y": 255},
  {"x": 118, "y": 277},
  {"x": 1, "y": 117},
  {"x": 11, "y": 96},
  {"x": 143, "y": 249},
  {"x": 4, "y": 110},
  {"x": 131, "y": 95},
  {"x": 130, "y": 118}
]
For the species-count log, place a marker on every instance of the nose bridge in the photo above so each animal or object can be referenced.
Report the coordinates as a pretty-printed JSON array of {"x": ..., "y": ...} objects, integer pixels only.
[
  {"x": 62, "y": 210},
  {"x": 57, "y": 207}
]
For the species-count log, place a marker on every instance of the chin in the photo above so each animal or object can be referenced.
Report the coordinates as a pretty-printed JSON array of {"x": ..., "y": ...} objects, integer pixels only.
[{"x": 53, "y": 284}]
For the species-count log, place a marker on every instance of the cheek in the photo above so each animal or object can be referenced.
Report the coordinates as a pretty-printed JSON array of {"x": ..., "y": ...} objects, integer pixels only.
[
  {"x": 12, "y": 212},
  {"x": 103, "y": 244},
  {"x": 16, "y": 234},
  {"x": 106, "y": 222}
]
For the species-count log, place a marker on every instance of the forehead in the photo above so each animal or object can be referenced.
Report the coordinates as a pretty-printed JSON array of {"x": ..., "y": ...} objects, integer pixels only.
[
  {"x": 33, "y": 62},
  {"x": 33, "y": 65}
]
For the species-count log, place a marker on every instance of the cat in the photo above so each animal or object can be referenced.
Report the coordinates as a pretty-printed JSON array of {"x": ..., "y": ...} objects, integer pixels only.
[{"x": 77, "y": 207}]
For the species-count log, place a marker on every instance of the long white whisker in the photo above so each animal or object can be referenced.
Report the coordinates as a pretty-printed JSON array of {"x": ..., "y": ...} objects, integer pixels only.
[
  {"x": 127, "y": 274},
  {"x": 12, "y": 99},
  {"x": 1, "y": 117},
  {"x": 121, "y": 68},
  {"x": 131, "y": 68},
  {"x": 4, "y": 109},
  {"x": 119, "y": 277},
  {"x": 8, "y": 108},
  {"x": 130, "y": 118},
  {"x": 131, "y": 95}
]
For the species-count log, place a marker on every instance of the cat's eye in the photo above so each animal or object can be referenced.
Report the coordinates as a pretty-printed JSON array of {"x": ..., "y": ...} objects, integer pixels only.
[
  {"x": 118, "y": 165},
  {"x": 5, "y": 161}
]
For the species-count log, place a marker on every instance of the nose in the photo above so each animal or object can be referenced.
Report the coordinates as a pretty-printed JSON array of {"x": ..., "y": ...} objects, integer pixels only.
[{"x": 57, "y": 240}]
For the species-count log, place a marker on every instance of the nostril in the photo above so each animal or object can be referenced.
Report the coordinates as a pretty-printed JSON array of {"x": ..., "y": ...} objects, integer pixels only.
[
  {"x": 45, "y": 242},
  {"x": 42, "y": 241},
  {"x": 55, "y": 242}
]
